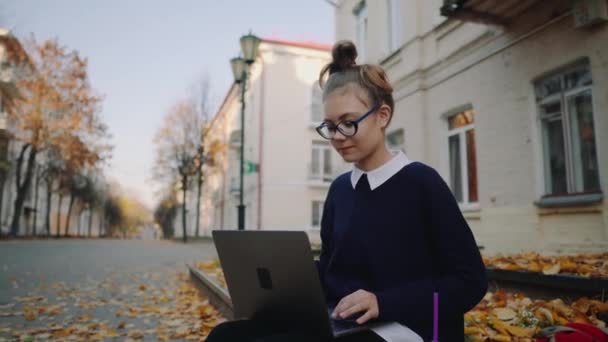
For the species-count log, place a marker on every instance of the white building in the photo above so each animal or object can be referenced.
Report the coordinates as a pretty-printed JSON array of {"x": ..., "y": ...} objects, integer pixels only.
[
  {"x": 509, "y": 101},
  {"x": 288, "y": 165}
]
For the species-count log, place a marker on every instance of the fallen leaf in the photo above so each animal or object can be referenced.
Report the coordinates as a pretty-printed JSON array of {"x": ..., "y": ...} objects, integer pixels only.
[
  {"x": 504, "y": 314},
  {"x": 551, "y": 269}
]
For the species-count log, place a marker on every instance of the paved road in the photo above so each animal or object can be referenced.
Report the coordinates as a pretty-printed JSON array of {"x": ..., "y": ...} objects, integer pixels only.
[{"x": 100, "y": 278}]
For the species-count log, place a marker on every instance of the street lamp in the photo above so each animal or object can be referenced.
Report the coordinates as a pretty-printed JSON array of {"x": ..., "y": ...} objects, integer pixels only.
[{"x": 240, "y": 66}]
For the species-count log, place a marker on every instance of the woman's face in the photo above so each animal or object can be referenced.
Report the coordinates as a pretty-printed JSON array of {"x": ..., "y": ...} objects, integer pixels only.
[{"x": 349, "y": 103}]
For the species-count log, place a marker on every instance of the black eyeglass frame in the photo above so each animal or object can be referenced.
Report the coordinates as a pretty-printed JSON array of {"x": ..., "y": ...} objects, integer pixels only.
[{"x": 334, "y": 128}]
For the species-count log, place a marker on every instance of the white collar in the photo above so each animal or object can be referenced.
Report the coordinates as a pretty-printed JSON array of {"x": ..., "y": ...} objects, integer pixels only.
[{"x": 381, "y": 174}]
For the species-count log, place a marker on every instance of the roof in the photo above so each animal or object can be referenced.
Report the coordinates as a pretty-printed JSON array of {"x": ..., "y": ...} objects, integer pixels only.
[{"x": 306, "y": 45}]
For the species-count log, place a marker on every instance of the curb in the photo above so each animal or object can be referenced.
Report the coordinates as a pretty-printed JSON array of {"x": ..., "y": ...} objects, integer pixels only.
[
  {"x": 541, "y": 285},
  {"x": 218, "y": 296}
]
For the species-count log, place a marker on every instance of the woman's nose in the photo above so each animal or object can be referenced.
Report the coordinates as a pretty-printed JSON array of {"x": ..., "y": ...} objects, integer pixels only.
[{"x": 338, "y": 136}]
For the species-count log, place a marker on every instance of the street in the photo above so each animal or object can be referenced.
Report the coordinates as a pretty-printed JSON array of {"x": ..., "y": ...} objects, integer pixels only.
[{"x": 97, "y": 288}]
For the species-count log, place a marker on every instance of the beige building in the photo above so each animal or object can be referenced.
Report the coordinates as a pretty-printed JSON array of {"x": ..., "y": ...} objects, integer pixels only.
[
  {"x": 288, "y": 166},
  {"x": 509, "y": 101}
]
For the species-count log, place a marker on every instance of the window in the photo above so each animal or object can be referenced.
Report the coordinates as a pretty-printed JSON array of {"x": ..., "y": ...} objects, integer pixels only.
[
  {"x": 396, "y": 140},
  {"x": 567, "y": 132},
  {"x": 320, "y": 166},
  {"x": 463, "y": 157},
  {"x": 360, "y": 12},
  {"x": 394, "y": 25},
  {"x": 316, "y": 104},
  {"x": 317, "y": 214}
]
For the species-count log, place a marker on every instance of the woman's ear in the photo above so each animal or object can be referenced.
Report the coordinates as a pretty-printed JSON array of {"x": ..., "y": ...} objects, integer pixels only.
[{"x": 384, "y": 115}]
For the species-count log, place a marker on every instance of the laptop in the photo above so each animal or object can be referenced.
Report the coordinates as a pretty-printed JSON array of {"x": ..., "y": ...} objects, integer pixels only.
[{"x": 271, "y": 276}]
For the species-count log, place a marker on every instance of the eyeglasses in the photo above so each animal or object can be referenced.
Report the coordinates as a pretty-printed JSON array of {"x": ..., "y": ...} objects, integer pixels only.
[{"x": 347, "y": 128}]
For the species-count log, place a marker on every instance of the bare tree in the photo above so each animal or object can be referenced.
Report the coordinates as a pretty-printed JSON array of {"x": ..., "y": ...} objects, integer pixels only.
[{"x": 179, "y": 152}]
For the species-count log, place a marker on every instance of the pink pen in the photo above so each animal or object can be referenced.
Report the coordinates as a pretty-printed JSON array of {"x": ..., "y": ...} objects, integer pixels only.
[{"x": 435, "y": 317}]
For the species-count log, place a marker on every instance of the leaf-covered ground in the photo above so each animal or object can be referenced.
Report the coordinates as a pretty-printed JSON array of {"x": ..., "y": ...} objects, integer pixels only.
[
  {"x": 506, "y": 316},
  {"x": 156, "y": 305},
  {"x": 589, "y": 266}
]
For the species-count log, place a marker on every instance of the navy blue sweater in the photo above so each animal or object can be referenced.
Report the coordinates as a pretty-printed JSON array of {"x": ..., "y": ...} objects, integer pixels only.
[{"x": 402, "y": 241}]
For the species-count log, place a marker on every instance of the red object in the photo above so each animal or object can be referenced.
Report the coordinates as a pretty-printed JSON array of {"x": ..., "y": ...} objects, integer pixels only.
[{"x": 573, "y": 332}]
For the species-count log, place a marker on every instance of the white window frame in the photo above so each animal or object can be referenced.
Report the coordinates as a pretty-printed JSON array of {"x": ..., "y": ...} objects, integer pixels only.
[
  {"x": 394, "y": 37},
  {"x": 320, "y": 204},
  {"x": 562, "y": 97},
  {"x": 361, "y": 31},
  {"x": 465, "y": 204},
  {"x": 322, "y": 147},
  {"x": 316, "y": 105}
]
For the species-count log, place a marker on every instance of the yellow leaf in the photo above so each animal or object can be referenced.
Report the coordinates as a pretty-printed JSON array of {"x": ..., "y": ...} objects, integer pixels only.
[
  {"x": 519, "y": 332},
  {"x": 504, "y": 314},
  {"x": 135, "y": 334},
  {"x": 551, "y": 269},
  {"x": 30, "y": 315}
]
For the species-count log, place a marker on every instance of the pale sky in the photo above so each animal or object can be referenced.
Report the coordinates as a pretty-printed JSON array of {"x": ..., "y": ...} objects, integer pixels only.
[{"x": 145, "y": 54}]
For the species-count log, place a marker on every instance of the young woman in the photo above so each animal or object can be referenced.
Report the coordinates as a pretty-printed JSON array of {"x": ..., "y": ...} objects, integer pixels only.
[{"x": 392, "y": 233}]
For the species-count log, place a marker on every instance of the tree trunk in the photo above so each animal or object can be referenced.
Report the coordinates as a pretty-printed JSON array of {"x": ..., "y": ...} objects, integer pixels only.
[
  {"x": 90, "y": 221},
  {"x": 3, "y": 176},
  {"x": 78, "y": 224},
  {"x": 81, "y": 227},
  {"x": 57, "y": 232},
  {"x": 35, "y": 221},
  {"x": 198, "y": 200},
  {"x": 22, "y": 187},
  {"x": 49, "y": 195},
  {"x": 184, "y": 190},
  {"x": 102, "y": 223},
  {"x": 49, "y": 201},
  {"x": 68, "y": 218}
]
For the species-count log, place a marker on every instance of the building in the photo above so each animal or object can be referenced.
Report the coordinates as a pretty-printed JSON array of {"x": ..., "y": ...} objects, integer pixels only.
[
  {"x": 508, "y": 100},
  {"x": 288, "y": 166}
]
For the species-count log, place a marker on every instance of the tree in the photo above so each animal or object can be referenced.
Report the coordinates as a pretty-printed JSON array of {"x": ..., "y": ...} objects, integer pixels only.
[
  {"x": 56, "y": 105},
  {"x": 165, "y": 213},
  {"x": 201, "y": 99},
  {"x": 78, "y": 158},
  {"x": 114, "y": 215},
  {"x": 179, "y": 149},
  {"x": 51, "y": 173}
]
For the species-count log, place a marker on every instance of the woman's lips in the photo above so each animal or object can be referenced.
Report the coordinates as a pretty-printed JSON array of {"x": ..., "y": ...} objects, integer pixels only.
[{"x": 346, "y": 149}]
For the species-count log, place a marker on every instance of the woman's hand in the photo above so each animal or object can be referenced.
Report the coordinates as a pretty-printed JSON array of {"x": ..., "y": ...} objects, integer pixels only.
[{"x": 359, "y": 301}]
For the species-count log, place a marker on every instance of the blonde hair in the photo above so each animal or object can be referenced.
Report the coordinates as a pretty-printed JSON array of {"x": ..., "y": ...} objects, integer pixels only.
[{"x": 343, "y": 71}]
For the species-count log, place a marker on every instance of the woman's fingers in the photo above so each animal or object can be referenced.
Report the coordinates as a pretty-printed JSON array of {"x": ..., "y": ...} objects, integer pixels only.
[
  {"x": 358, "y": 301},
  {"x": 357, "y": 307},
  {"x": 367, "y": 316},
  {"x": 342, "y": 305}
]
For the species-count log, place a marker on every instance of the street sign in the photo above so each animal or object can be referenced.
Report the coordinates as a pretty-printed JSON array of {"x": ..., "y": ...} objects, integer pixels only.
[{"x": 250, "y": 167}]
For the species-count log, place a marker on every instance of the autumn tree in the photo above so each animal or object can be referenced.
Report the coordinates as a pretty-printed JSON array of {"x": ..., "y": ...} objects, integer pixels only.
[
  {"x": 57, "y": 108},
  {"x": 200, "y": 98},
  {"x": 165, "y": 213},
  {"x": 179, "y": 149}
]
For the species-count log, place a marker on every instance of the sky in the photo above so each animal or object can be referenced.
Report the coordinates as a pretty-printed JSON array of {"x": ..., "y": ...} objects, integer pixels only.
[{"x": 144, "y": 55}]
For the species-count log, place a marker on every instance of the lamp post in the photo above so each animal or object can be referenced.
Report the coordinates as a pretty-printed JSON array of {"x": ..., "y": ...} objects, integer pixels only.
[{"x": 240, "y": 66}]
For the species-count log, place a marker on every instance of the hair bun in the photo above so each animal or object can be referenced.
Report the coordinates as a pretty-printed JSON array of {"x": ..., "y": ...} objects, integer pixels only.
[{"x": 344, "y": 54}]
